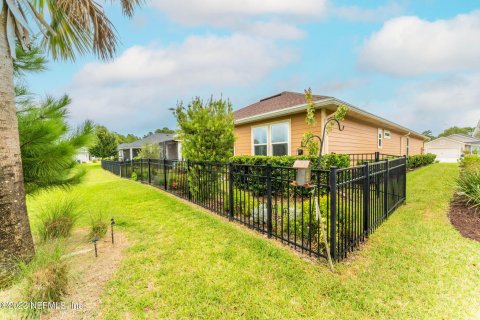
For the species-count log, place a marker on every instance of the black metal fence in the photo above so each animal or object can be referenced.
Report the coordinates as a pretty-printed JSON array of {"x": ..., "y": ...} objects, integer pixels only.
[{"x": 352, "y": 202}]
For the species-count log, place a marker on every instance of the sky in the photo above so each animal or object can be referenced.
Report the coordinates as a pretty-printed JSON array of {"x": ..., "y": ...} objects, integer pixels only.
[{"x": 416, "y": 63}]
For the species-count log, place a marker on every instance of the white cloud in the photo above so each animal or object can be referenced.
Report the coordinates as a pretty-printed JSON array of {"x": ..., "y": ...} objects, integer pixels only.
[
  {"x": 221, "y": 12},
  {"x": 438, "y": 104},
  {"x": 435, "y": 105},
  {"x": 356, "y": 13},
  {"x": 274, "y": 19},
  {"x": 412, "y": 46},
  {"x": 136, "y": 90}
]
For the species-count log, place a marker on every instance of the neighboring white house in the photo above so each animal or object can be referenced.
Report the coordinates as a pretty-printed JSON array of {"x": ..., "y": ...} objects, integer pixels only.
[
  {"x": 82, "y": 155},
  {"x": 170, "y": 147},
  {"x": 450, "y": 148}
]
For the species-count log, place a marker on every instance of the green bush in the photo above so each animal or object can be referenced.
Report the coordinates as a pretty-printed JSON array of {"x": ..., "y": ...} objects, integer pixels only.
[
  {"x": 57, "y": 219},
  {"x": 470, "y": 163},
  {"x": 134, "y": 176},
  {"x": 309, "y": 225},
  {"x": 253, "y": 178},
  {"x": 328, "y": 160},
  {"x": 469, "y": 186},
  {"x": 420, "y": 160},
  {"x": 46, "y": 276}
]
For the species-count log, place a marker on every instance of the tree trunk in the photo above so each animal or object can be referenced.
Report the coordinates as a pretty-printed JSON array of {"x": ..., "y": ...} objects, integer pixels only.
[{"x": 16, "y": 241}]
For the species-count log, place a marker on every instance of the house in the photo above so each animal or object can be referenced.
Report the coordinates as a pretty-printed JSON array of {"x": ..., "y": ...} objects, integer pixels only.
[
  {"x": 275, "y": 126},
  {"x": 170, "y": 147},
  {"x": 450, "y": 148},
  {"x": 83, "y": 155}
]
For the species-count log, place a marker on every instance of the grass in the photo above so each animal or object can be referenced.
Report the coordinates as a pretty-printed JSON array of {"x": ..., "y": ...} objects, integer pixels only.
[
  {"x": 57, "y": 218},
  {"x": 185, "y": 262}
]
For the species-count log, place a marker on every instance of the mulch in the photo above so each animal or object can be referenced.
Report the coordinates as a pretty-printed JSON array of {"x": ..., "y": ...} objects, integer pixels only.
[{"x": 465, "y": 219}]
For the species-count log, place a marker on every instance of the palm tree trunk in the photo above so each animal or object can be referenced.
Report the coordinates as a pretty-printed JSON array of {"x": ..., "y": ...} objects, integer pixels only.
[{"x": 16, "y": 241}]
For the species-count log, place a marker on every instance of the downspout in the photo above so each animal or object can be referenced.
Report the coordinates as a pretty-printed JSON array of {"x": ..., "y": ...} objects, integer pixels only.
[
  {"x": 323, "y": 117},
  {"x": 401, "y": 144}
]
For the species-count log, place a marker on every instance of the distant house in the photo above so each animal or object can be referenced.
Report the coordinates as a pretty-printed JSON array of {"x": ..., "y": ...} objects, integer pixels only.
[
  {"x": 170, "y": 147},
  {"x": 275, "y": 126},
  {"x": 450, "y": 148},
  {"x": 83, "y": 155}
]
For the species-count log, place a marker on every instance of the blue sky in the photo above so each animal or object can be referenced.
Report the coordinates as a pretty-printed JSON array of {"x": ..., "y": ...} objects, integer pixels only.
[{"x": 413, "y": 62}]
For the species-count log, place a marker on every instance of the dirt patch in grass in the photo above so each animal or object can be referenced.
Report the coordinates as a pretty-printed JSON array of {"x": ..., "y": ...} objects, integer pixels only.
[
  {"x": 89, "y": 274},
  {"x": 87, "y": 278},
  {"x": 465, "y": 219}
]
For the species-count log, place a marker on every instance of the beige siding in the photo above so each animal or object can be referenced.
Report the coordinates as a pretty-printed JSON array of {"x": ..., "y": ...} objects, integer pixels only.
[
  {"x": 416, "y": 146},
  {"x": 243, "y": 142},
  {"x": 358, "y": 137}
]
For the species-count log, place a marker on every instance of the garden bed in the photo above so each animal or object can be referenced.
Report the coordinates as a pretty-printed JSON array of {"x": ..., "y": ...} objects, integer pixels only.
[{"x": 465, "y": 219}]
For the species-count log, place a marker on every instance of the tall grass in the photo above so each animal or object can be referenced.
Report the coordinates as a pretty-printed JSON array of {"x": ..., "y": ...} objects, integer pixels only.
[
  {"x": 469, "y": 186},
  {"x": 98, "y": 225},
  {"x": 58, "y": 218},
  {"x": 46, "y": 277}
]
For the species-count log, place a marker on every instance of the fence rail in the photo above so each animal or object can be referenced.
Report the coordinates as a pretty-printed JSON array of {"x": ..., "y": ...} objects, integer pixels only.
[{"x": 353, "y": 201}]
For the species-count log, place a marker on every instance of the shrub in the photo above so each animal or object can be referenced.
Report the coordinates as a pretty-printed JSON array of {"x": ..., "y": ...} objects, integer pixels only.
[
  {"x": 46, "y": 276},
  {"x": 469, "y": 186},
  {"x": 420, "y": 160},
  {"x": 98, "y": 226},
  {"x": 328, "y": 160},
  {"x": 134, "y": 176},
  {"x": 308, "y": 225},
  {"x": 251, "y": 178},
  {"x": 470, "y": 163},
  {"x": 57, "y": 219}
]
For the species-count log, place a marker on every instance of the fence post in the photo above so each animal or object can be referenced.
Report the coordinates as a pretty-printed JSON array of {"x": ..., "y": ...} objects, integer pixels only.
[
  {"x": 230, "y": 191},
  {"x": 333, "y": 211},
  {"x": 366, "y": 198},
  {"x": 189, "y": 194},
  {"x": 269, "y": 200},
  {"x": 377, "y": 156},
  {"x": 119, "y": 168},
  {"x": 149, "y": 171},
  {"x": 164, "y": 174},
  {"x": 386, "y": 177}
]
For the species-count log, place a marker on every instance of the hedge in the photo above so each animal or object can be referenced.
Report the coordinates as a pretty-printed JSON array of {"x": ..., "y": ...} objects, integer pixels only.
[
  {"x": 328, "y": 160},
  {"x": 420, "y": 160}
]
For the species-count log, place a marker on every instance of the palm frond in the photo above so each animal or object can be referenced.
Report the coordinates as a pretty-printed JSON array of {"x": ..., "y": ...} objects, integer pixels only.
[{"x": 75, "y": 26}]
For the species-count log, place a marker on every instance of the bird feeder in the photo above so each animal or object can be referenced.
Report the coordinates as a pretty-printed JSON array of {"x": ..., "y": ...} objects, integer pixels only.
[{"x": 303, "y": 173}]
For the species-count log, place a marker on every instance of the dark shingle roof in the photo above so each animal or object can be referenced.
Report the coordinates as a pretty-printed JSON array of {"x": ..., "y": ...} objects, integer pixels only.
[
  {"x": 279, "y": 101},
  {"x": 152, "y": 139}
]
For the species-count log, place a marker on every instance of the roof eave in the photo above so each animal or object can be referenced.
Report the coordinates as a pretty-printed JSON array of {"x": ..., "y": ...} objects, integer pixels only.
[{"x": 319, "y": 104}]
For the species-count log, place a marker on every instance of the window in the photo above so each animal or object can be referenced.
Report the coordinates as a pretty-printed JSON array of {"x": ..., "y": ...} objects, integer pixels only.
[
  {"x": 408, "y": 146},
  {"x": 386, "y": 134},
  {"x": 271, "y": 140},
  {"x": 380, "y": 138},
  {"x": 260, "y": 141},
  {"x": 279, "y": 139}
]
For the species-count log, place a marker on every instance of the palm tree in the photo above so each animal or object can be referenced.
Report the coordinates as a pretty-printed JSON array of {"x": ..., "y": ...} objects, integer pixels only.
[{"x": 74, "y": 26}]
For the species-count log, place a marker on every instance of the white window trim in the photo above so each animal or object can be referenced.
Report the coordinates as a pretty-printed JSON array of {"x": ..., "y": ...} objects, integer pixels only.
[
  {"x": 387, "y": 134},
  {"x": 269, "y": 143},
  {"x": 379, "y": 138}
]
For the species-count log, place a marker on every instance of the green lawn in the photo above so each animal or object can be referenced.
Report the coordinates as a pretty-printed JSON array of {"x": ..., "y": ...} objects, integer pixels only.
[{"x": 185, "y": 262}]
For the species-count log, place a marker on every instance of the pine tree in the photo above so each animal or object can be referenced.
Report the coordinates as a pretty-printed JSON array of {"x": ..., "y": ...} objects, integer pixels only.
[{"x": 48, "y": 145}]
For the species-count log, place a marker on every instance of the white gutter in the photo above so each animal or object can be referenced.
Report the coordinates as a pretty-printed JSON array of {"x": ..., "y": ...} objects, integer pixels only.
[{"x": 319, "y": 104}]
